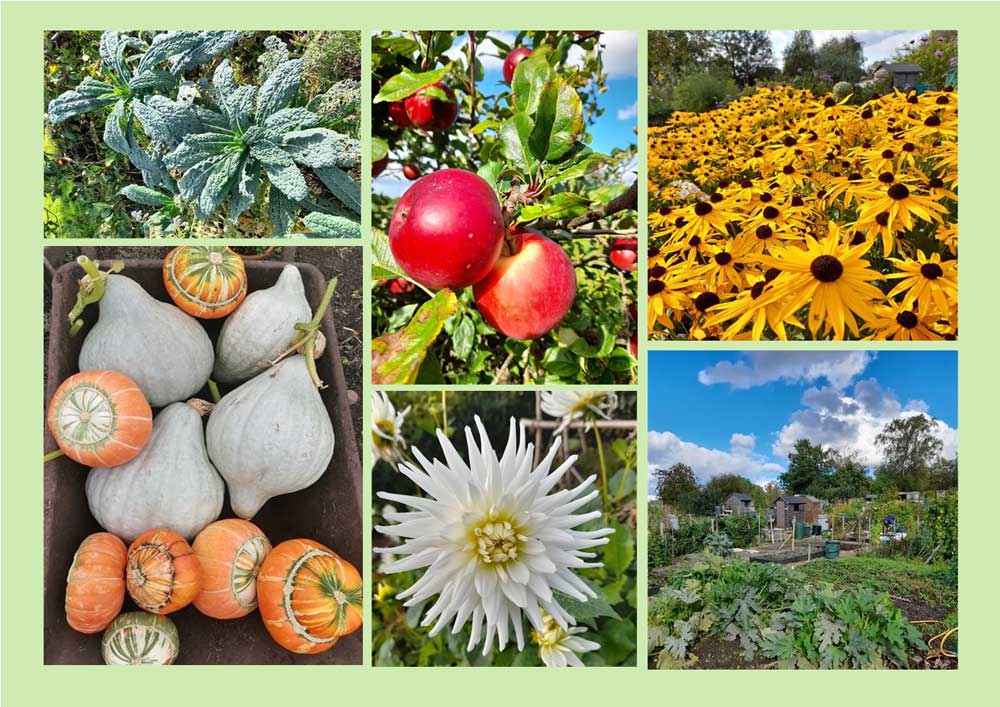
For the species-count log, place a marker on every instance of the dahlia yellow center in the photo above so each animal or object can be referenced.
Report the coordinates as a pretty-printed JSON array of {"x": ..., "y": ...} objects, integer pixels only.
[{"x": 496, "y": 540}]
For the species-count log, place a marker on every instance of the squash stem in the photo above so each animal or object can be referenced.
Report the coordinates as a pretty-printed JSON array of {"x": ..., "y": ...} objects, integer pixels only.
[
  {"x": 305, "y": 340},
  {"x": 213, "y": 389},
  {"x": 53, "y": 455},
  {"x": 91, "y": 288}
]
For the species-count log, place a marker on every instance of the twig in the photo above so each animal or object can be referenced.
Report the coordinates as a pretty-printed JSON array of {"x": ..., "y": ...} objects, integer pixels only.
[
  {"x": 627, "y": 200},
  {"x": 502, "y": 373}
]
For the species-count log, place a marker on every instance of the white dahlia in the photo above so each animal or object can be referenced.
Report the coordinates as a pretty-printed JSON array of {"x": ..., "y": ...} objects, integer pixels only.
[
  {"x": 558, "y": 646},
  {"x": 571, "y": 405},
  {"x": 495, "y": 540},
  {"x": 387, "y": 428}
]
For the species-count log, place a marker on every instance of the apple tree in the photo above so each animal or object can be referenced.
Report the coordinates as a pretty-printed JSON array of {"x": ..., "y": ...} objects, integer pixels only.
[{"x": 511, "y": 255}]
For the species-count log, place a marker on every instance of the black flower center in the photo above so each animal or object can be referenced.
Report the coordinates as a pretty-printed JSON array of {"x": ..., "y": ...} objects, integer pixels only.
[
  {"x": 797, "y": 200},
  {"x": 706, "y": 300},
  {"x": 694, "y": 241},
  {"x": 907, "y": 319},
  {"x": 826, "y": 268},
  {"x": 932, "y": 121},
  {"x": 715, "y": 198},
  {"x": 680, "y": 222},
  {"x": 882, "y": 219},
  {"x": 866, "y": 114},
  {"x": 757, "y": 289},
  {"x": 703, "y": 208},
  {"x": 723, "y": 258},
  {"x": 936, "y": 183},
  {"x": 909, "y": 147},
  {"x": 771, "y": 213},
  {"x": 788, "y": 141},
  {"x": 764, "y": 232},
  {"x": 655, "y": 287},
  {"x": 898, "y": 192},
  {"x": 788, "y": 169},
  {"x": 932, "y": 271},
  {"x": 770, "y": 274},
  {"x": 887, "y": 154},
  {"x": 942, "y": 100},
  {"x": 829, "y": 103},
  {"x": 746, "y": 184},
  {"x": 664, "y": 210},
  {"x": 887, "y": 177},
  {"x": 765, "y": 197},
  {"x": 854, "y": 177},
  {"x": 657, "y": 271},
  {"x": 858, "y": 238}
]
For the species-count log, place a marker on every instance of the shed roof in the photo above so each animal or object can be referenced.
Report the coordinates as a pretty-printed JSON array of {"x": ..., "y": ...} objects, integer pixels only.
[
  {"x": 903, "y": 68},
  {"x": 800, "y": 498},
  {"x": 740, "y": 497}
]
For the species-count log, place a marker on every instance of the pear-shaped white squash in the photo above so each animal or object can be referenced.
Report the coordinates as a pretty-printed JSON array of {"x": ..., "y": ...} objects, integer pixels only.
[
  {"x": 261, "y": 328},
  {"x": 170, "y": 484},
  {"x": 270, "y": 436},
  {"x": 165, "y": 351}
]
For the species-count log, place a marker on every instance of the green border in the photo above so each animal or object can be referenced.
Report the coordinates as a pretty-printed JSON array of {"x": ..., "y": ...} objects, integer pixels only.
[{"x": 27, "y": 681}]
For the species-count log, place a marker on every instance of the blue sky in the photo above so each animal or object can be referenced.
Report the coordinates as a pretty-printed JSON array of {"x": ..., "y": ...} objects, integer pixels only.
[
  {"x": 740, "y": 412},
  {"x": 615, "y": 128}
]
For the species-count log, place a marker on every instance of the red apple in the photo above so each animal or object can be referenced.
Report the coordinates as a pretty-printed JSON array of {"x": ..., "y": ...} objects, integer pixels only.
[
  {"x": 378, "y": 166},
  {"x": 400, "y": 286},
  {"x": 514, "y": 58},
  {"x": 625, "y": 253},
  {"x": 447, "y": 229},
  {"x": 529, "y": 291},
  {"x": 429, "y": 113},
  {"x": 411, "y": 171},
  {"x": 397, "y": 111}
]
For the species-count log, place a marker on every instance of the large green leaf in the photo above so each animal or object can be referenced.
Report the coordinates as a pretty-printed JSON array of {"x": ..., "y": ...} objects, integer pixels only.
[
  {"x": 514, "y": 134},
  {"x": 384, "y": 265},
  {"x": 406, "y": 83},
  {"x": 530, "y": 78},
  {"x": 558, "y": 121},
  {"x": 342, "y": 186},
  {"x": 90, "y": 95},
  {"x": 593, "y": 608},
  {"x": 327, "y": 226},
  {"x": 557, "y": 206},
  {"x": 281, "y": 170},
  {"x": 620, "y": 550},
  {"x": 145, "y": 196},
  {"x": 280, "y": 88},
  {"x": 396, "y": 357}
]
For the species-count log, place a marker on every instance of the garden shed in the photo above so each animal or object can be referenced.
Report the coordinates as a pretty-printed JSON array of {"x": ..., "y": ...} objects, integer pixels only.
[
  {"x": 800, "y": 508},
  {"x": 911, "y": 496},
  {"x": 903, "y": 75},
  {"x": 739, "y": 504}
]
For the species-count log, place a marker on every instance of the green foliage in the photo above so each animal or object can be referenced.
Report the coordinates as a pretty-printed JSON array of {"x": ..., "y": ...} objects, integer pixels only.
[
  {"x": 800, "y": 54},
  {"x": 939, "y": 71},
  {"x": 773, "y": 614},
  {"x": 214, "y": 154},
  {"x": 841, "y": 59},
  {"x": 910, "y": 447},
  {"x": 693, "y": 536},
  {"x": 530, "y": 143},
  {"x": 699, "y": 90},
  {"x": 913, "y": 580}
]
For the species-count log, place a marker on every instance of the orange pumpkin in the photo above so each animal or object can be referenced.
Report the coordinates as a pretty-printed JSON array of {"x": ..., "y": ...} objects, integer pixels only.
[
  {"x": 95, "y": 587},
  {"x": 309, "y": 596},
  {"x": 206, "y": 281},
  {"x": 100, "y": 418},
  {"x": 162, "y": 574},
  {"x": 230, "y": 553}
]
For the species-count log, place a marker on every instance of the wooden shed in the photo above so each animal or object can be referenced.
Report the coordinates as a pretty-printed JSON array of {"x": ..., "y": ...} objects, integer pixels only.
[
  {"x": 802, "y": 508},
  {"x": 739, "y": 504},
  {"x": 911, "y": 496},
  {"x": 903, "y": 75}
]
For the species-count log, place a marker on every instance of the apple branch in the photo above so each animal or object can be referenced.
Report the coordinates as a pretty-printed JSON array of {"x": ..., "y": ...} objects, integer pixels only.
[{"x": 628, "y": 200}]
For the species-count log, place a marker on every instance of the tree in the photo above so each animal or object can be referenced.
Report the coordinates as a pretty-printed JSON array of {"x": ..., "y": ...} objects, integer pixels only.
[
  {"x": 772, "y": 492},
  {"x": 936, "y": 53},
  {"x": 850, "y": 479},
  {"x": 841, "y": 59},
  {"x": 944, "y": 475},
  {"x": 719, "y": 488},
  {"x": 677, "y": 487},
  {"x": 800, "y": 54},
  {"x": 747, "y": 54},
  {"x": 671, "y": 52},
  {"x": 910, "y": 447},
  {"x": 809, "y": 469}
]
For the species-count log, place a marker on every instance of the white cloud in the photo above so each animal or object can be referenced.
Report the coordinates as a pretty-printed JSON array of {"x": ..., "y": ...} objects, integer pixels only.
[
  {"x": 489, "y": 55},
  {"x": 851, "y": 422},
  {"x": 620, "y": 54},
  {"x": 628, "y": 113},
  {"x": 838, "y": 368},
  {"x": 667, "y": 449}
]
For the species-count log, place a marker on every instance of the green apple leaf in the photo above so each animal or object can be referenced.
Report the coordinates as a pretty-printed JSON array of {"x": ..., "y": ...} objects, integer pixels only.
[
  {"x": 406, "y": 83},
  {"x": 530, "y": 78},
  {"x": 557, "y": 206},
  {"x": 558, "y": 121},
  {"x": 397, "y": 357},
  {"x": 515, "y": 134}
]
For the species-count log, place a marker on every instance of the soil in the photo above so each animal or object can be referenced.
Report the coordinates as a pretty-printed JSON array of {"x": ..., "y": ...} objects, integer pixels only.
[{"x": 714, "y": 653}]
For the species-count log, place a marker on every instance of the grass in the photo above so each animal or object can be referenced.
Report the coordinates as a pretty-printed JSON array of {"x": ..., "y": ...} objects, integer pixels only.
[{"x": 909, "y": 579}]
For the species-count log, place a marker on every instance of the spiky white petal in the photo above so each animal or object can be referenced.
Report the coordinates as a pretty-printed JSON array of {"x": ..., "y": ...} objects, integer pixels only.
[
  {"x": 387, "y": 426},
  {"x": 571, "y": 405},
  {"x": 493, "y": 538},
  {"x": 558, "y": 647}
]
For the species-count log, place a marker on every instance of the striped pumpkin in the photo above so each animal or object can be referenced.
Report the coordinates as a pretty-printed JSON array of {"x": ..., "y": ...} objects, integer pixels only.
[
  {"x": 163, "y": 573},
  {"x": 138, "y": 638},
  {"x": 95, "y": 587},
  {"x": 230, "y": 553},
  {"x": 207, "y": 282},
  {"x": 100, "y": 418},
  {"x": 309, "y": 597}
]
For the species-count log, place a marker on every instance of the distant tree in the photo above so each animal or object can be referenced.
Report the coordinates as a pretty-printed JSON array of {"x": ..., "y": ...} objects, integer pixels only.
[
  {"x": 944, "y": 475},
  {"x": 719, "y": 488},
  {"x": 809, "y": 469},
  {"x": 842, "y": 59},
  {"x": 772, "y": 492},
  {"x": 910, "y": 447},
  {"x": 670, "y": 52},
  {"x": 849, "y": 479},
  {"x": 678, "y": 487},
  {"x": 800, "y": 54},
  {"x": 747, "y": 54}
]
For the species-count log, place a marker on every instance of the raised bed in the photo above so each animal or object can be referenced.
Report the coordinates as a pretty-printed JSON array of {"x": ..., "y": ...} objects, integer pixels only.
[{"x": 329, "y": 511}]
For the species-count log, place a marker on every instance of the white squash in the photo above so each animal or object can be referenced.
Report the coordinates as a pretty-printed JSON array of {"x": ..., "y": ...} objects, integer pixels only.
[
  {"x": 170, "y": 484},
  {"x": 165, "y": 351},
  {"x": 270, "y": 436},
  {"x": 261, "y": 328}
]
